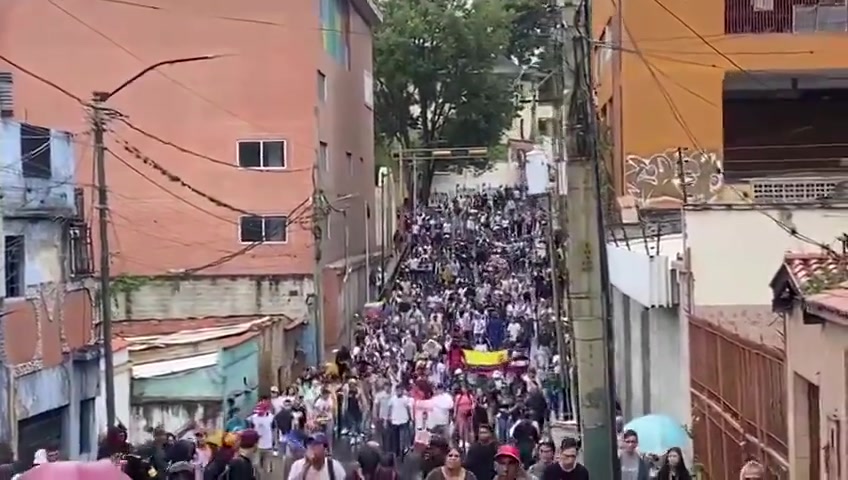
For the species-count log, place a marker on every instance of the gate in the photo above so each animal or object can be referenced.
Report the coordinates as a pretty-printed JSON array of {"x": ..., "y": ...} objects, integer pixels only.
[{"x": 738, "y": 403}]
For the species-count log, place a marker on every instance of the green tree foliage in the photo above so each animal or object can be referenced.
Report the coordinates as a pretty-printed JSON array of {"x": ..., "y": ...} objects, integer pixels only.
[
  {"x": 434, "y": 64},
  {"x": 530, "y": 30}
]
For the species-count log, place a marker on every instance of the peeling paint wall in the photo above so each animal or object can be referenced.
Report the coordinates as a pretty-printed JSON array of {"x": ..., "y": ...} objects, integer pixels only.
[
  {"x": 173, "y": 416},
  {"x": 214, "y": 297},
  {"x": 36, "y": 195},
  {"x": 43, "y": 242}
]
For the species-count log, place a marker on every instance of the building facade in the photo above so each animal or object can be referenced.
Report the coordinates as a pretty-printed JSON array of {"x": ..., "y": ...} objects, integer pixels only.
[
  {"x": 47, "y": 330},
  {"x": 809, "y": 294},
  {"x": 747, "y": 90},
  {"x": 213, "y": 165}
]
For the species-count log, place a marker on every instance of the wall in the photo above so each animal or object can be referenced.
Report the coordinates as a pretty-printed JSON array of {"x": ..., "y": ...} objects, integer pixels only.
[
  {"x": 215, "y": 297},
  {"x": 816, "y": 353},
  {"x": 43, "y": 244},
  {"x": 59, "y": 387},
  {"x": 36, "y": 195},
  {"x": 6, "y": 417},
  {"x": 173, "y": 416},
  {"x": 648, "y": 359},
  {"x": 522, "y": 123},
  {"x": 500, "y": 174},
  {"x": 239, "y": 366},
  {"x": 691, "y": 74},
  {"x": 346, "y": 124},
  {"x": 123, "y": 382},
  {"x": 735, "y": 252},
  {"x": 642, "y": 269},
  {"x": 201, "y": 106}
]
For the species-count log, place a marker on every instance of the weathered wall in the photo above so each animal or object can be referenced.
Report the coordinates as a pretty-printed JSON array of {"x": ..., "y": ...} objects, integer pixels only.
[
  {"x": 239, "y": 366},
  {"x": 123, "y": 378},
  {"x": 212, "y": 297},
  {"x": 22, "y": 195},
  {"x": 43, "y": 241},
  {"x": 500, "y": 174},
  {"x": 173, "y": 417},
  {"x": 648, "y": 359},
  {"x": 646, "y": 128},
  {"x": 735, "y": 253}
]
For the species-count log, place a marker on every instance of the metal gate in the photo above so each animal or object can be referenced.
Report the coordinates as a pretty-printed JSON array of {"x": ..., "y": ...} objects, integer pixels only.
[
  {"x": 738, "y": 403},
  {"x": 40, "y": 431}
]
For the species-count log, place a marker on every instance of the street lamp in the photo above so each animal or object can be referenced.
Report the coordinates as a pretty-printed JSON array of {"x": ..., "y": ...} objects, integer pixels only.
[{"x": 99, "y": 98}]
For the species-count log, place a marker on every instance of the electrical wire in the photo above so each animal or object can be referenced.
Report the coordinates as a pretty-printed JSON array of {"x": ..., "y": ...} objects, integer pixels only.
[
  {"x": 293, "y": 216},
  {"x": 202, "y": 156},
  {"x": 789, "y": 229},
  {"x": 42, "y": 79},
  {"x": 248, "y": 21}
]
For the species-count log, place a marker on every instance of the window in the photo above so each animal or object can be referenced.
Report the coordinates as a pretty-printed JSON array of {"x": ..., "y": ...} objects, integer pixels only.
[
  {"x": 15, "y": 286},
  {"x": 335, "y": 29},
  {"x": 545, "y": 126},
  {"x": 349, "y": 157},
  {"x": 86, "y": 425},
  {"x": 265, "y": 229},
  {"x": 322, "y": 87},
  {"x": 262, "y": 153},
  {"x": 323, "y": 156},
  {"x": 35, "y": 151}
]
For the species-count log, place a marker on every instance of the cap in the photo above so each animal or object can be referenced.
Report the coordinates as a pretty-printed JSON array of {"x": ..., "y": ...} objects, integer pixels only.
[
  {"x": 248, "y": 438},
  {"x": 318, "y": 438},
  {"x": 275, "y": 389},
  {"x": 508, "y": 451}
]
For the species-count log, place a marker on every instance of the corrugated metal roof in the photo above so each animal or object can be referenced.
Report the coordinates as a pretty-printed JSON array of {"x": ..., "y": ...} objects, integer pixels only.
[
  {"x": 186, "y": 337},
  {"x": 168, "y": 367}
]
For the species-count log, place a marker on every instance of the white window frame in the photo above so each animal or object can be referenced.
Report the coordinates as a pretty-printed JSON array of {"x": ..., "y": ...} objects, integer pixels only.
[
  {"x": 322, "y": 88},
  {"x": 261, "y": 142},
  {"x": 324, "y": 156},
  {"x": 265, "y": 242}
]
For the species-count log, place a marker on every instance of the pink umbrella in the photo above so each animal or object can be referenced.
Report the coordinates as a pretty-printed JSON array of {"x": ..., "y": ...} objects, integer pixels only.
[{"x": 102, "y": 470}]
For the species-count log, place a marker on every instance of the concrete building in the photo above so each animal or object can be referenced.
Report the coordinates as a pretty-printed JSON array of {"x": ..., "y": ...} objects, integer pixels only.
[
  {"x": 203, "y": 373},
  {"x": 741, "y": 115},
  {"x": 48, "y": 322},
  {"x": 810, "y": 294},
  {"x": 696, "y": 336},
  {"x": 234, "y": 140},
  {"x": 649, "y": 333}
]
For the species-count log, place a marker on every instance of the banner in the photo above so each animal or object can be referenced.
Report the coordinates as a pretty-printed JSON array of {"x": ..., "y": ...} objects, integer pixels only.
[{"x": 474, "y": 358}]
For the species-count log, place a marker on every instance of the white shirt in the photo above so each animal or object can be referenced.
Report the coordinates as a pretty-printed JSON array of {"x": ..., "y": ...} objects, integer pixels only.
[
  {"x": 441, "y": 409},
  {"x": 399, "y": 410},
  {"x": 381, "y": 405},
  {"x": 298, "y": 467},
  {"x": 514, "y": 330},
  {"x": 479, "y": 326},
  {"x": 262, "y": 425},
  {"x": 277, "y": 403}
]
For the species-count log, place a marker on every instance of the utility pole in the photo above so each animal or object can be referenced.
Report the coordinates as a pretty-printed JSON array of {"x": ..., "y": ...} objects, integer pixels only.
[
  {"x": 586, "y": 260},
  {"x": 99, "y": 100},
  {"x": 319, "y": 223},
  {"x": 105, "y": 274}
]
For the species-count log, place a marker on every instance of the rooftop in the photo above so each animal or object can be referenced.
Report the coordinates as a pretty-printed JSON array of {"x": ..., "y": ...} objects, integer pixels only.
[{"x": 812, "y": 273}]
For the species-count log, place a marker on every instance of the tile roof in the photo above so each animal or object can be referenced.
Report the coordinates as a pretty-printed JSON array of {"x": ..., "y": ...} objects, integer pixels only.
[
  {"x": 834, "y": 300},
  {"x": 815, "y": 272}
]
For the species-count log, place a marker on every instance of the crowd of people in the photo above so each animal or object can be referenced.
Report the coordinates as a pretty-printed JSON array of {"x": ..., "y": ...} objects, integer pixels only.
[{"x": 452, "y": 376}]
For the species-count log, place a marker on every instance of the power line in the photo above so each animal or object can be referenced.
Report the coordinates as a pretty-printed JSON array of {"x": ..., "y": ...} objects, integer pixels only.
[
  {"x": 42, "y": 79},
  {"x": 789, "y": 229},
  {"x": 172, "y": 194},
  {"x": 248, "y": 21},
  {"x": 202, "y": 156}
]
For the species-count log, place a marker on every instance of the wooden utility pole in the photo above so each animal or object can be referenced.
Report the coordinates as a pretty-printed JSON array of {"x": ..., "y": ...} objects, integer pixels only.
[{"x": 589, "y": 315}]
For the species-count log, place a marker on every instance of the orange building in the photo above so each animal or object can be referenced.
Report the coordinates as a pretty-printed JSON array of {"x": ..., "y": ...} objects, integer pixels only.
[{"x": 747, "y": 89}]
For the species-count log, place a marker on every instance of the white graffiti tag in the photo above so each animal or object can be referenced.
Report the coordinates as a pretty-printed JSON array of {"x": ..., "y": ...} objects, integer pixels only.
[{"x": 658, "y": 176}]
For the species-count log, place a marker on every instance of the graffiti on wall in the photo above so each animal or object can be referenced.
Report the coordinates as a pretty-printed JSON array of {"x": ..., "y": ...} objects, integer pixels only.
[{"x": 657, "y": 176}]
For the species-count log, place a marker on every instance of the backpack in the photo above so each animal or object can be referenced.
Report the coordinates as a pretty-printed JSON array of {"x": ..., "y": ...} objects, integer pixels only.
[
  {"x": 331, "y": 464},
  {"x": 225, "y": 475}
]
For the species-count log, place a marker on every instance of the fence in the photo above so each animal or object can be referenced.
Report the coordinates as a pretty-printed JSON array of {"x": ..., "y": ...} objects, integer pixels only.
[{"x": 738, "y": 403}]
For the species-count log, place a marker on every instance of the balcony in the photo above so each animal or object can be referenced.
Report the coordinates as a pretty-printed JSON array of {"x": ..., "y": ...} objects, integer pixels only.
[
  {"x": 785, "y": 16},
  {"x": 36, "y": 171}
]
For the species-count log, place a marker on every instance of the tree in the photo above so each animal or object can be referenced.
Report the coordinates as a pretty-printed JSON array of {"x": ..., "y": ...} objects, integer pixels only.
[
  {"x": 434, "y": 64},
  {"x": 532, "y": 23}
]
